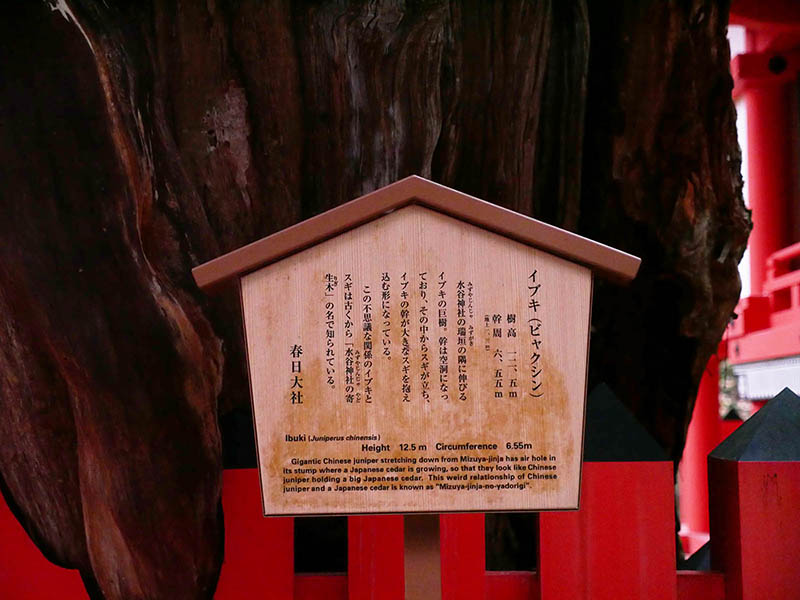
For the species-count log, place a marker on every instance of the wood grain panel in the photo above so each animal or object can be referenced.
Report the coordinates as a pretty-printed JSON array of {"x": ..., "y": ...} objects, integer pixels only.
[{"x": 355, "y": 347}]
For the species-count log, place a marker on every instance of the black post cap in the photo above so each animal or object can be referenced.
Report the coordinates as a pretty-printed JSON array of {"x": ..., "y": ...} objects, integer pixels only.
[
  {"x": 612, "y": 432},
  {"x": 772, "y": 434}
]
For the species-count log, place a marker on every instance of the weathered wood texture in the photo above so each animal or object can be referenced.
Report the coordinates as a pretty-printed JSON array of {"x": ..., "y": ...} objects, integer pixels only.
[
  {"x": 140, "y": 139},
  {"x": 405, "y": 402},
  {"x": 661, "y": 179}
]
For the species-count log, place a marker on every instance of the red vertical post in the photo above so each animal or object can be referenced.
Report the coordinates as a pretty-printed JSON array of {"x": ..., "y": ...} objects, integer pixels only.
[
  {"x": 463, "y": 547},
  {"x": 620, "y": 544},
  {"x": 702, "y": 436},
  {"x": 754, "y": 527},
  {"x": 771, "y": 170},
  {"x": 754, "y": 484},
  {"x": 259, "y": 551},
  {"x": 375, "y": 557}
]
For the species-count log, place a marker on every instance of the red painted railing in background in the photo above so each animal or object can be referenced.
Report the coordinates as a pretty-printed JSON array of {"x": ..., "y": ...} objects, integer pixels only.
[
  {"x": 766, "y": 325},
  {"x": 782, "y": 285}
]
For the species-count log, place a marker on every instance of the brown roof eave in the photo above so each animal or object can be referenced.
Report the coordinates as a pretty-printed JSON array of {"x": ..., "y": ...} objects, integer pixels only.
[{"x": 604, "y": 260}]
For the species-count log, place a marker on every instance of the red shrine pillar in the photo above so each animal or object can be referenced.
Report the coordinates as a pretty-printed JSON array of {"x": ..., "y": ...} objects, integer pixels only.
[
  {"x": 701, "y": 438},
  {"x": 770, "y": 162}
]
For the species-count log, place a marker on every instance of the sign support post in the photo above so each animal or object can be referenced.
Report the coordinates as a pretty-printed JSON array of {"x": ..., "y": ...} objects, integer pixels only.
[{"x": 422, "y": 550}]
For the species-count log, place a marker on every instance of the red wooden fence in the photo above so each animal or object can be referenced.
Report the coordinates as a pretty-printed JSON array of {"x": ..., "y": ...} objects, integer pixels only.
[{"x": 620, "y": 544}]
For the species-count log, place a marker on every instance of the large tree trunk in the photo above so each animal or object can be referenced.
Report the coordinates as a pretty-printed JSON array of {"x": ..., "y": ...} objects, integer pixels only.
[{"x": 137, "y": 142}]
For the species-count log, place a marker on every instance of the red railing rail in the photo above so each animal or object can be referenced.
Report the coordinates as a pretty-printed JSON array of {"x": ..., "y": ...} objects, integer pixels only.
[
  {"x": 783, "y": 256},
  {"x": 620, "y": 544},
  {"x": 766, "y": 325},
  {"x": 782, "y": 284}
]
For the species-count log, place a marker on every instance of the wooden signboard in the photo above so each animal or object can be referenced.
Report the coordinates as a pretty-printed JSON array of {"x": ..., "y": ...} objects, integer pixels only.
[{"x": 418, "y": 350}]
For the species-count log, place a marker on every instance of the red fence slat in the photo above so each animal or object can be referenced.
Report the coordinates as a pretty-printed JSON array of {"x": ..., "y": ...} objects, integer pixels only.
[
  {"x": 375, "y": 557},
  {"x": 620, "y": 544},
  {"x": 259, "y": 551},
  {"x": 755, "y": 535},
  {"x": 463, "y": 544}
]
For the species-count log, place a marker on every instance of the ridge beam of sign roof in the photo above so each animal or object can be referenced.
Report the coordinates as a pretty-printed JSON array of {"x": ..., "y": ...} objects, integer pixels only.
[{"x": 604, "y": 260}]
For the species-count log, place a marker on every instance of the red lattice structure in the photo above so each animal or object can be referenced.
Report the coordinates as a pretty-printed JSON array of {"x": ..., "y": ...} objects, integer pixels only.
[{"x": 620, "y": 544}]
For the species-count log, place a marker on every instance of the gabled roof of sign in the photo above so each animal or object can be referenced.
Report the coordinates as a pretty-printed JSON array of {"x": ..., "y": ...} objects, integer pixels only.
[{"x": 607, "y": 261}]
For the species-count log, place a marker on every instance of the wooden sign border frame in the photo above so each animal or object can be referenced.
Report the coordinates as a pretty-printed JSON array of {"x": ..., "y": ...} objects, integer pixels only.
[
  {"x": 416, "y": 512},
  {"x": 611, "y": 263}
]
